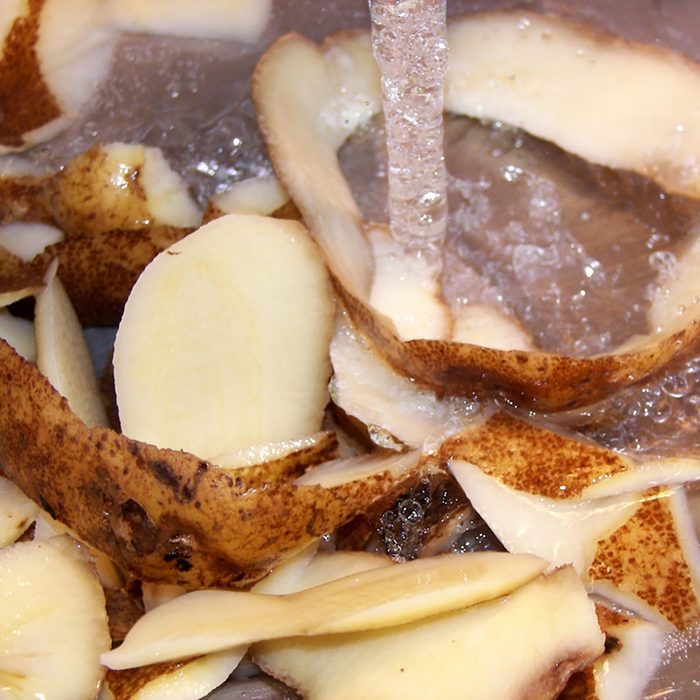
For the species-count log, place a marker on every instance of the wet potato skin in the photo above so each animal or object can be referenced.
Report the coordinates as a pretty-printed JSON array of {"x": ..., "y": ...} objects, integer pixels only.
[
  {"x": 537, "y": 380},
  {"x": 165, "y": 516}
]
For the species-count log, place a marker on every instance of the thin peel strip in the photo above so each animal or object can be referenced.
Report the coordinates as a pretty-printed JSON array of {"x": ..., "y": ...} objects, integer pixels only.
[{"x": 213, "y": 620}]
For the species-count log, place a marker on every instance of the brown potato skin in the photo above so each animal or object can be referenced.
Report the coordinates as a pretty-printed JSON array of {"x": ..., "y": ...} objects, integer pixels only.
[
  {"x": 164, "y": 516},
  {"x": 538, "y": 380},
  {"x": 25, "y": 99}
]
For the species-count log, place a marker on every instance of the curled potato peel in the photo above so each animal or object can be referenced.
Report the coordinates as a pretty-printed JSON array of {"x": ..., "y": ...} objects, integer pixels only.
[
  {"x": 304, "y": 125},
  {"x": 166, "y": 516}
]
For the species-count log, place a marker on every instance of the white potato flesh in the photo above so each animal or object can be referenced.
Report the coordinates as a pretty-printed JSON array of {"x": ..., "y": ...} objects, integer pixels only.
[
  {"x": 167, "y": 196},
  {"x": 480, "y": 324},
  {"x": 19, "y": 333},
  {"x": 594, "y": 95},
  {"x": 194, "y": 679},
  {"x": 624, "y": 673},
  {"x": 54, "y": 622},
  {"x": 224, "y": 340},
  {"x": 257, "y": 195},
  {"x": 206, "y": 621},
  {"x": 74, "y": 48},
  {"x": 368, "y": 388},
  {"x": 17, "y": 512},
  {"x": 27, "y": 240},
  {"x": 405, "y": 288},
  {"x": 672, "y": 471},
  {"x": 244, "y": 20},
  {"x": 63, "y": 356},
  {"x": 560, "y": 531},
  {"x": 677, "y": 299},
  {"x": 258, "y": 454},
  {"x": 521, "y": 646}
]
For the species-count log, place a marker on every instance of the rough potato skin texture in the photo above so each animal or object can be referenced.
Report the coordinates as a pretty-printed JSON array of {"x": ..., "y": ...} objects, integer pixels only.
[
  {"x": 529, "y": 458},
  {"x": 530, "y": 379},
  {"x": 20, "y": 74},
  {"x": 165, "y": 516}
]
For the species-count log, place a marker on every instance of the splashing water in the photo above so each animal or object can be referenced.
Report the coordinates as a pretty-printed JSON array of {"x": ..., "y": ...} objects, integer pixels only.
[{"x": 410, "y": 46}]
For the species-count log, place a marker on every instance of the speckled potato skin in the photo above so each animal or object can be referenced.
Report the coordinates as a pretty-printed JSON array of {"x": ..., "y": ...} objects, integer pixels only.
[
  {"x": 165, "y": 516},
  {"x": 20, "y": 74},
  {"x": 537, "y": 380}
]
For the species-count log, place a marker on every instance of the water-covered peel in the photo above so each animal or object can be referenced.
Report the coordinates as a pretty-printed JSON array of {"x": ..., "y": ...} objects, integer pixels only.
[
  {"x": 165, "y": 516},
  {"x": 304, "y": 124}
]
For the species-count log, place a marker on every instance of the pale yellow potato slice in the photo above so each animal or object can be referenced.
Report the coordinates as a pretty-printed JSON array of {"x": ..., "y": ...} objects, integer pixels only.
[
  {"x": 258, "y": 195},
  {"x": 320, "y": 443},
  {"x": 62, "y": 352},
  {"x": 206, "y": 621},
  {"x": 17, "y": 512},
  {"x": 593, "y": 94},
  {"x": 27, "y": 240},
  {"x": 523, "y": 646},
  {"x": 54, "y": 622},
  {"x": 246, "y": 307},
  {"x": 244, "y": 20},
  {"x": 19, "y": 333}
]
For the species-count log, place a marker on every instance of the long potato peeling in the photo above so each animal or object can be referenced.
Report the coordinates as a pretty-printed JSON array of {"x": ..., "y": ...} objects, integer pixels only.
[
  {"x": 166, "y": 516},
  {"x": 345, "y": 94},
  {"x": 206, "y": 621}
]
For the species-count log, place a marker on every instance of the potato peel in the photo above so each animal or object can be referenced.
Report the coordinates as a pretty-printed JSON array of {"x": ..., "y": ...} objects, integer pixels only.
[
  {"x": 302, "y": 137},
  {"x": 165, "y": 516}
]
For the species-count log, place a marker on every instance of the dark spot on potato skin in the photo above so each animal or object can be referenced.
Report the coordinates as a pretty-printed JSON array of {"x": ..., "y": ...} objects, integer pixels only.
[
  {"x": 115, "y": 500},
  {"x": 144, "y": 533},
  {"x": 165, "y": 474}
]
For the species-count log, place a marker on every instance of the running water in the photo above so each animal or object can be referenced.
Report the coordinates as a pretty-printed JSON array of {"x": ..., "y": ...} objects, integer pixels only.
[{"x": 410, "y": 46}]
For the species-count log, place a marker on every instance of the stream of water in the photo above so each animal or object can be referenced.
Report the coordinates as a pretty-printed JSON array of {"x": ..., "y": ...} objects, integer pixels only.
[{"x": 410, "y": 45}]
